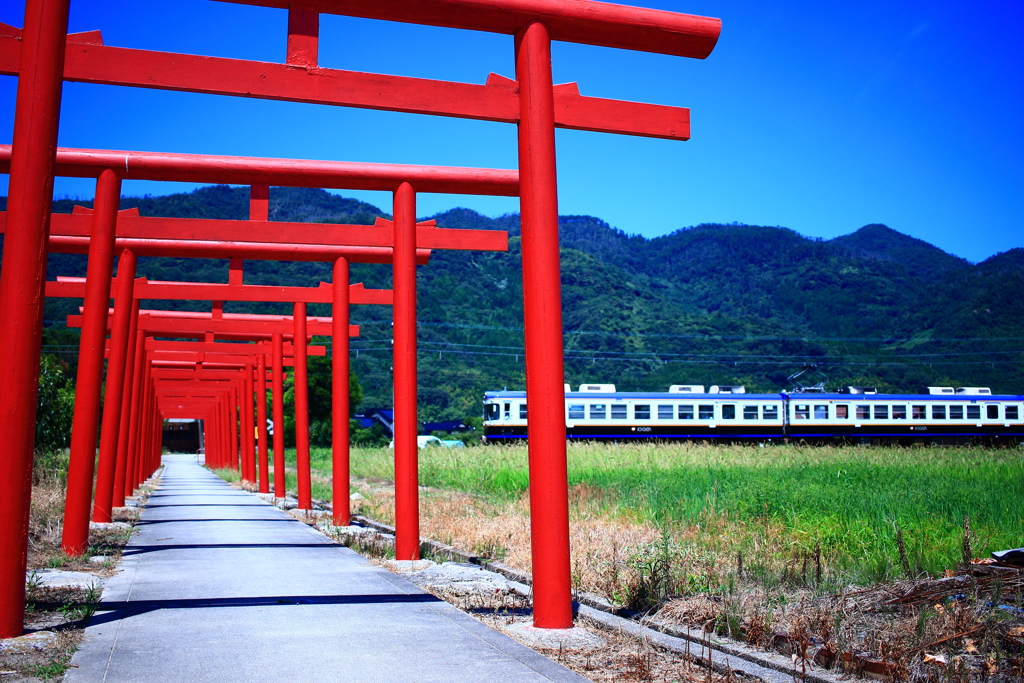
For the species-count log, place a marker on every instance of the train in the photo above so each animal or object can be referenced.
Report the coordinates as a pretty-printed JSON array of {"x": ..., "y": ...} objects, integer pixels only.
[{"x": 722, "y": 413}]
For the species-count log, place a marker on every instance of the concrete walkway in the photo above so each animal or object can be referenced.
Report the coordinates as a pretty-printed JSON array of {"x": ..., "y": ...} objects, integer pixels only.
[{"x": 217, "y": 585}]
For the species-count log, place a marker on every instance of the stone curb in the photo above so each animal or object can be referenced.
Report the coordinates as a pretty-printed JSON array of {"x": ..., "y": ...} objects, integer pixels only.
[
  {"x": 711, "y": 657},
  {"x": 766, "y": 660}
]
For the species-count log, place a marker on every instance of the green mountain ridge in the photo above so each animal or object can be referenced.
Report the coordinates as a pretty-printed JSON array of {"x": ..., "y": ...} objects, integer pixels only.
[{"x": 711, "y": 304}]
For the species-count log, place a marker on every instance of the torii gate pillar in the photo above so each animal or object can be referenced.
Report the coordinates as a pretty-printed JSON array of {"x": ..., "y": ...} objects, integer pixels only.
[
  {"x": 261, "y": 421},
  {"x": 110, "y": 428},
  {"x": 301, "y": 384},
  {"x": 542, "y": 312},
  {"x": 277, "y": 408},
  {"x": 339, "y": 394},
  {"x": 36, "y": 115},
  {"x": 407, "y": 514},
  {"x": 88, "y": 384}
]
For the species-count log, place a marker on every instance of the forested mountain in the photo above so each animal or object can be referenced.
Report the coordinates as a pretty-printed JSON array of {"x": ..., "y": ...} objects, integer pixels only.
[{"x": 711, "y": 304}]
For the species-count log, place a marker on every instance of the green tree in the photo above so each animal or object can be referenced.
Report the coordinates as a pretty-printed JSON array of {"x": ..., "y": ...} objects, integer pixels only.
[
  {"x": 55, "y": 407},
  {"x": 319, "y": 382}
]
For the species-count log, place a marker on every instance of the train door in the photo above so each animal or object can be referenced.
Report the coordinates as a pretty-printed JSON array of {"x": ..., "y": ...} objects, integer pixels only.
[{"x": 992, "y": 414}]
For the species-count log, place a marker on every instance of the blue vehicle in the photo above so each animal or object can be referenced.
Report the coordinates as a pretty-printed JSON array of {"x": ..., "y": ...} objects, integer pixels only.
[{"x": 727, "y": 413}]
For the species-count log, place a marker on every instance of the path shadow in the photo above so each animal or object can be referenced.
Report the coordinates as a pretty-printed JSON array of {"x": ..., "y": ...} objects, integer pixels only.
[
  {"x": 200, "y": 505},
  {"x": 107, "y": 612},
  {"x": 141, "y": 549},
  {"x": 150, "y": 522}
]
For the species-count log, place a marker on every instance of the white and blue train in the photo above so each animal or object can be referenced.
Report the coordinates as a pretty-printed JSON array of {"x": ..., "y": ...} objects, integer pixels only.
[{"x": 727, "y": 413}]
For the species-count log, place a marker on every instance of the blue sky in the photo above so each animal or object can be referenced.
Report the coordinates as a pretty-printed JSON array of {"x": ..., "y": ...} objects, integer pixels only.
[{"x": 820, "y": 117}]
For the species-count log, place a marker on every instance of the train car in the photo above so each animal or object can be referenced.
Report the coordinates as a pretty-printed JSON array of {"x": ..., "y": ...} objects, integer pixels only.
[
  {"x": 944, "y": 415},
  {"x": 686, "y": 412},
  {"x": 728, "y": 413}
]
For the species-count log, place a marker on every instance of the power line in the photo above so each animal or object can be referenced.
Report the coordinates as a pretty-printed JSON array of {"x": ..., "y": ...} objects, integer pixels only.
[
  {"x": 592, "y": 357},
  {"x": 700, "y": 336},
  {"x": 622, "y": 356},
  {"x": 718, "y": 355},
  {"x": 661, "y": 335}
]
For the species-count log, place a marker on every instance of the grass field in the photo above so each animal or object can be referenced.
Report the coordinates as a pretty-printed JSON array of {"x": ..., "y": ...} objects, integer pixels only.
[
  {"x": 772, "y": 504},
  {"x": 791, "y": 542}
]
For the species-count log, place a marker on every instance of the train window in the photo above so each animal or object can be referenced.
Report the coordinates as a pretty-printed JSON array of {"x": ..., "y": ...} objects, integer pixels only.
[
  {"x": 881, "y": 412},
  {"x": 821, "y": 412},
  {"x": 576, "y": 412},
  {"x": 492, "y": 411},
  {"x": 992, "y": 412},
  {"x": 685, "y": 412},
  {"x": 508, "y": 411},
  {"x": 973, "y": 412},
  {"x": 642, "y": 412},
  {"x": 899, "y": 412},
  {"x": 802, "y": 412},
  {"x": 522, "y": 411},
  {"x": 706, "y": 412},
  {"x": 597, "y": 411},
  {"x": 728, "y": 412},
  {"x": 842, "y": 412},
  {"x": 619, "y": 411},
  {"x": 956, "y": 412},
  {"x": 918, "y": 412},
  {"x": 770, "y": 412},
  {"x": 666, "y": 412},
  {"x": 938, "y": 412},
  {"x": 1011, "y": 412},
  {"x": 749, "y": 412},
  {"x": 863, "y": 412}
]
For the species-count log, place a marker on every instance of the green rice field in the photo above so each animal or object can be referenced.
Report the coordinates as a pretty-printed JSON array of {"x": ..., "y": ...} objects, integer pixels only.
[{"x": 782, "y": 499}]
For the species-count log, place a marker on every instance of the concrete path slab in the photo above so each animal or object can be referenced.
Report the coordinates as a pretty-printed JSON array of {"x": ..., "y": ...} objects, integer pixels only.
[{"x": 218, "y": 585}]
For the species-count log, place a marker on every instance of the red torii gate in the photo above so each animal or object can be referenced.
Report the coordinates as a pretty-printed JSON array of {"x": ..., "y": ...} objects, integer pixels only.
[
  {"x": 165, "y": 166},
  {"x": 536, "y": 105},
  {"x": 222, "y": 412},
  {"x": 168, "y": 322},
  {"x": 77, "y": 240},
  {"x": 201, "y": 380},
  {"x": 278, "y": 363},
  {"x": 252, "y": 358},
  {"x": 213, "y": 360},
  {"x": 238, "y": 327},
  {"x": 212, "y": 396},
  {"x": 111, "y": 475},
  {"x": 326, "y": 293}
]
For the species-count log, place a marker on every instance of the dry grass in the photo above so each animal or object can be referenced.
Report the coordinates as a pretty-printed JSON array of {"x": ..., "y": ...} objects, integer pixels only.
[
  {"x": 65, "y": 610},
  {"x": 46, "y": 523},
  {"x": 501, "y": 530},
  {"x": 779, "y": 598}
]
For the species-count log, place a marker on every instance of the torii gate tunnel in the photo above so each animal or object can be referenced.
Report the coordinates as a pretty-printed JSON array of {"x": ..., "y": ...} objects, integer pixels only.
[
  {"x": 42, "y": 55},
  {"x": 225, "y": 235}
]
